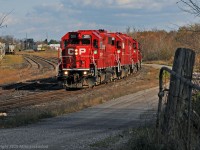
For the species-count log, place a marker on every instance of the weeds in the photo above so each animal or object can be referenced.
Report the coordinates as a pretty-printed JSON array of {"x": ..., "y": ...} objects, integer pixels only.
[
  {"x": 142, "y": 138},
  {"x": 12, "y": 61},
  {"x": 36, "y": 114},
  {"x": 107, "y": 142},
  {"x": 196, "y": 103},
  {"x": 145, "y": 138},
  {"x": 24, "y": 118}
]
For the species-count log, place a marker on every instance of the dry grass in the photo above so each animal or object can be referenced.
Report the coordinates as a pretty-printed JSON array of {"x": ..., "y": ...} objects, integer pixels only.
[
  {"x": 13, "y": 71},
  {"x": 160, "y": 62},
  {"x": 10, "y": 61},
  {"x": 10, "y": 68},
  {"x": 45, "y": 54}
]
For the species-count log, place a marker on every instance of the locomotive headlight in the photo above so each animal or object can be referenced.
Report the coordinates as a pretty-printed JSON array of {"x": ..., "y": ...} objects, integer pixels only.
[
  {"x": 134, "y": 51},
  {"x": 118, "y": 51},
  {"x": 66, "y": 73},
  {"x": 76, "y": 51},
  {"x": 85, "y": 72}
]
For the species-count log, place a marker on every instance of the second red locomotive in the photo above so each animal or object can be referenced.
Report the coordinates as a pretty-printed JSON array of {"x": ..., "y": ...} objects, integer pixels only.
[{"x": 92, "y": 57}]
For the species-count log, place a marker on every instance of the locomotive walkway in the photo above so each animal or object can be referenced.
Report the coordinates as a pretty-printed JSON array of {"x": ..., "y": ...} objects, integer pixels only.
[{"x": 81, "y": 129}]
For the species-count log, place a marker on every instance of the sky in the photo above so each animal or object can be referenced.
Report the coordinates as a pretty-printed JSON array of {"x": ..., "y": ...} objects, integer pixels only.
[{"x": 41, "y": 19}]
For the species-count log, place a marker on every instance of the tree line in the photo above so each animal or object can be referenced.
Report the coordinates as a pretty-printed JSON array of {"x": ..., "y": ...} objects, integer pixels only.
[{"x": 161, "y": 44}]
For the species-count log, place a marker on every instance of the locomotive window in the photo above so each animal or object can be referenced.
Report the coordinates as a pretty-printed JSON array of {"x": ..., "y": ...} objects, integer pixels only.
[
  {"x": 95, "y": 43},
  {"x": 86, "y": 36},
  {"x": 75, "y": 41},
  {"x": 65, "y": 43},
  {"x": 113, "y": 41},
  {"x": 110, "y": 40},
  {"x": 86, "y": 41},
  {"x": 118, "y": 44},
  {"x": 73, "y": 36}
]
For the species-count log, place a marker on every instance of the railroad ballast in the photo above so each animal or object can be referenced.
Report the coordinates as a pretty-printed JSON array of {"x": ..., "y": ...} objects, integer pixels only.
[{"x": 91, "y": 57}]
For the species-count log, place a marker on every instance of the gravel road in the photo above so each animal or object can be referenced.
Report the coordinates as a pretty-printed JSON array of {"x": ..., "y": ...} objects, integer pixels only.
[{"x": 79, "y": 130}]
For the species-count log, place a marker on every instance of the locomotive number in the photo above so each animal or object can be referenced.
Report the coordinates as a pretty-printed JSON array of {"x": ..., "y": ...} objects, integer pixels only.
[{"x": 72, "y": 51}]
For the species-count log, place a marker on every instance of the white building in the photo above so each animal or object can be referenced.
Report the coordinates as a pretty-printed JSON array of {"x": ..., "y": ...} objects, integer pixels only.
[
  {"x": 41, "y": 47},
  {"x": 55, "y": 46}
]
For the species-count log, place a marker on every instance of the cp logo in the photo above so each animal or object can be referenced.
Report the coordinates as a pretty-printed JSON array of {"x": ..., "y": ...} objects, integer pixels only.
[{"x": 79, "y": 51}]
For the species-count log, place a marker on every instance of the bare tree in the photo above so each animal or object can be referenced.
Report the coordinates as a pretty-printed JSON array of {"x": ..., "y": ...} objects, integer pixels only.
[
  {"x": 193, "y": 6},
  {"x": 3, "y": 19}
]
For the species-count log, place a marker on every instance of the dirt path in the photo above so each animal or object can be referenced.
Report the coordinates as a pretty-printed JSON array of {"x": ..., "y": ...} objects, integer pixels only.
[{"x": 79, "y": 130}]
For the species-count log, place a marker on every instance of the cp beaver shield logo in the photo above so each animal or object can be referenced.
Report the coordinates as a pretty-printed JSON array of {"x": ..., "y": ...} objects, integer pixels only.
[{"x": 79, "y": 51}]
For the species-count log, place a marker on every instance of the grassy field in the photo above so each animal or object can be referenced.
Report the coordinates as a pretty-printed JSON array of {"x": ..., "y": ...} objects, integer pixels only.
[
  {"x": 11, "y": 68},
  {"x": 45, "y": 54},
  {"x": 14, "y": 67}
]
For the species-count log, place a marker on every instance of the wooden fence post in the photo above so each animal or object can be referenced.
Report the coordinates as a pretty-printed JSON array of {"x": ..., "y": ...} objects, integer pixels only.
[{"x": 179, "y": 93}]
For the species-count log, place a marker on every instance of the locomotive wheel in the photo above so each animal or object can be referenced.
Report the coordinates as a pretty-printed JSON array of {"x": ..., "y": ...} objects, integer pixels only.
[{"x": 91, "y": 82}]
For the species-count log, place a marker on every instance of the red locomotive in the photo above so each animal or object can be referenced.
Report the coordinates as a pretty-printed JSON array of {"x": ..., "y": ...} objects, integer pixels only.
[{"x": 92, "y": 57}]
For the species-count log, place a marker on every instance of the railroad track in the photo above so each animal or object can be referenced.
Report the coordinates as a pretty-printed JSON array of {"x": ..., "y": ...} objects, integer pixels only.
[
  {"x": 36, "y": 66},
  {"x": 34, "y": 98},
  {"x": 54, "y": 60},
  {"x": 19, "y": 102},
  {"x": 42, "y": 63},
  {"x": 49, "y": 96},
  {"x": 32, "y": 63}
]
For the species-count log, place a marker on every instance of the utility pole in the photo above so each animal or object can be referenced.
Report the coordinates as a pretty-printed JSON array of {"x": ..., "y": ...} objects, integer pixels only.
[
  {"x": 47, "y": 36},
  {"x": 26, "y": 42}
]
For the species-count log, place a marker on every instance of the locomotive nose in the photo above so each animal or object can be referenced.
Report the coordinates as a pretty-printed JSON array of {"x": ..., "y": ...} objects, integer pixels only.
[{"x": 77, "y": 55}]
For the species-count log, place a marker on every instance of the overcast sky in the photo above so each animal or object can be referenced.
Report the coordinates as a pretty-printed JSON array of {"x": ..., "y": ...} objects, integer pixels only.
[{"x": 40, "y": 19}]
